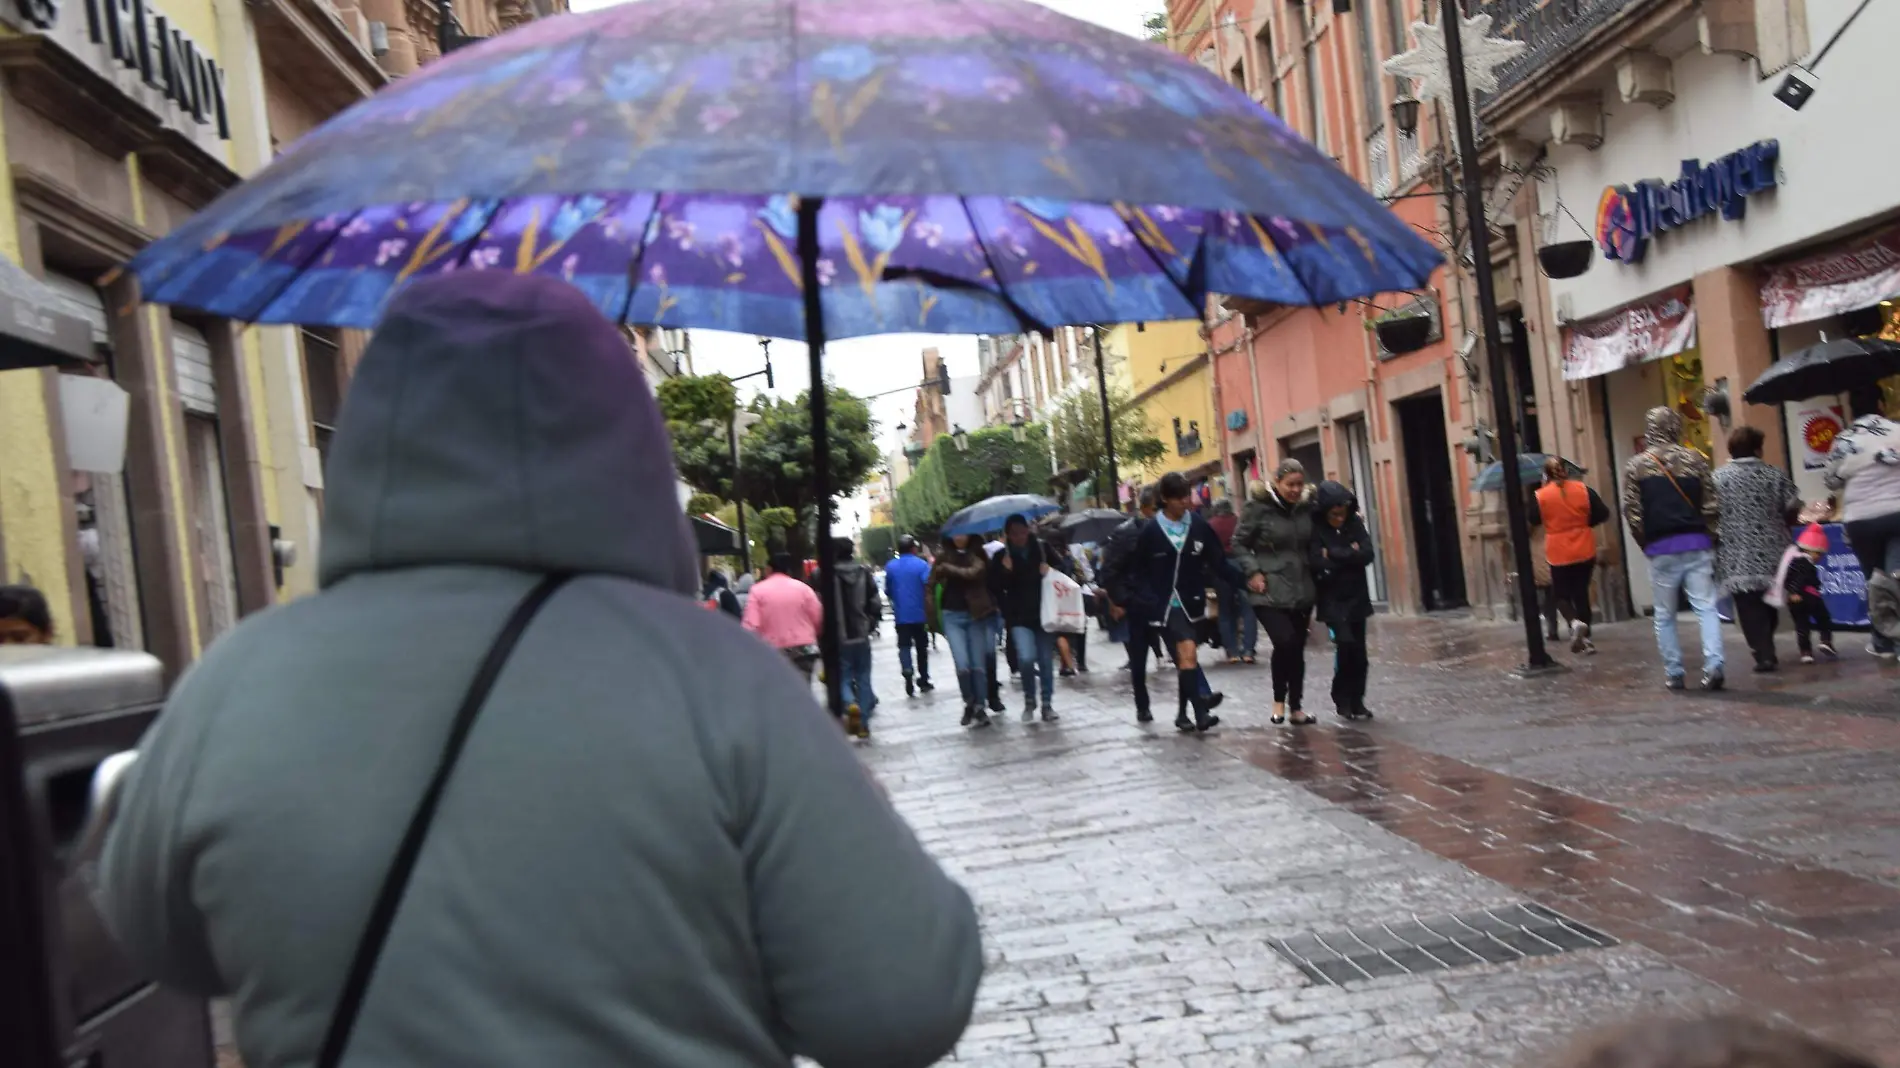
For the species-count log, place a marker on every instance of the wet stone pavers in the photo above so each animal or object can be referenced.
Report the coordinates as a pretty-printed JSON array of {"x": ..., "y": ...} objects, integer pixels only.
[{"x": 1131, "y": 881}]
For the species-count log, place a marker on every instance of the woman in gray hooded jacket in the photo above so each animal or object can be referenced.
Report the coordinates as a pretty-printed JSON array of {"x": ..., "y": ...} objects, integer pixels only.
[
  {"x": 655, "y": 849},
  {"x": 1270, "y": 548}
]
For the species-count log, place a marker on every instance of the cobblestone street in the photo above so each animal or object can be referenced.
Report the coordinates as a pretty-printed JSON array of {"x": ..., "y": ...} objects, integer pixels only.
[{"x": 1742, "y": 848}]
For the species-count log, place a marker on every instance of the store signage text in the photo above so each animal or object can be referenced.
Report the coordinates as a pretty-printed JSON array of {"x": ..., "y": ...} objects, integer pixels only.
[
  {"x": 1629, "y": 216},
  {"x": 139, "y": 39}
]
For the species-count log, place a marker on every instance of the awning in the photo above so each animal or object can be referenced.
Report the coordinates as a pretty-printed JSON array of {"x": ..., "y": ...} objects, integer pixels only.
[
  {"x": 1636, "y": 333},
  {"x": 33, "y": 331},
  {"x": 715, "y": 538}
]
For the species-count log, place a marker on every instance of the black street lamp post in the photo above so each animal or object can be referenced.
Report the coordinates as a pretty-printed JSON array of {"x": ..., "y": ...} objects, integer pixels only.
[
  {"x": 1107, "y": 475},
  {"x": 1451, "y": 17}
]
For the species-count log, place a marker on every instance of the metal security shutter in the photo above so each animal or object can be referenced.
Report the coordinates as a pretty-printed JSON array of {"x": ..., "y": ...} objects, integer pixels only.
[
  {"x": 105, "y": 538},
  {"x": 211, "y": 526},
  {"x": 191, "y": 363}
]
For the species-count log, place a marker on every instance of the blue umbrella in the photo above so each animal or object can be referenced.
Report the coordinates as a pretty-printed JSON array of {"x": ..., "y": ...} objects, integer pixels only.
[
  {"x": 989, "y": 515},
  {"x": 1530, "y": 472},
  {"x": 803, "y": 169}
]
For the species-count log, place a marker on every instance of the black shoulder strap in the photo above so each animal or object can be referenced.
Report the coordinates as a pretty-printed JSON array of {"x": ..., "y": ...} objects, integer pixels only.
[{"x": 396, "y": 880}]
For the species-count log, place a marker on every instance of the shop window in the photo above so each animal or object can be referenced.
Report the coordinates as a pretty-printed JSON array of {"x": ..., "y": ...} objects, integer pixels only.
[{"x": 323, "y": 386}]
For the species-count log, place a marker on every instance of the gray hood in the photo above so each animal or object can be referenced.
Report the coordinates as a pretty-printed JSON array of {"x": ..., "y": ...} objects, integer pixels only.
[{"x": 500, "y": 420}]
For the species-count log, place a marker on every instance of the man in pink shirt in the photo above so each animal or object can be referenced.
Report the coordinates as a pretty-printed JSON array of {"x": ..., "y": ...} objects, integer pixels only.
[{"x": 785, "y": 613}]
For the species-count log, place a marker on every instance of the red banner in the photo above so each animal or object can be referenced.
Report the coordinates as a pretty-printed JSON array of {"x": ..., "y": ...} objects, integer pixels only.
[
  {"x": 1662, "y": 325},
  {"x": 1859, "y": 274}
]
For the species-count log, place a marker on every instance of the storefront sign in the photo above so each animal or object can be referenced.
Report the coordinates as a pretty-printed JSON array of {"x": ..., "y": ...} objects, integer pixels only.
[
  {"x": 1859, "y": 274},
  {"x": 1628, "y": 216},
  {"x": 1652, "y": 329},
  {"x": 1818, "y": 429},
  {"x": 133, "y": 36}
]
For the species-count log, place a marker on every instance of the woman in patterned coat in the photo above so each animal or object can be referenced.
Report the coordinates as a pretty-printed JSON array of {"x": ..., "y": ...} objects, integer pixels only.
[{"x": 1758, "y": 504}]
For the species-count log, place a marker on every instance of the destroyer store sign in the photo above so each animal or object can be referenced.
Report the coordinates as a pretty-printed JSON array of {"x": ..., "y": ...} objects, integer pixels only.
[{"x": 1628, "y": 216}]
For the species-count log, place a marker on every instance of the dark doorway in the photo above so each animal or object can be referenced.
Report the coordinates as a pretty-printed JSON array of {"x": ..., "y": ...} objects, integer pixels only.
[
  {"x": 1517, "y": 344},
  {"x": 1433, "y": 504},
  {"x": 1310, "y": 457}
]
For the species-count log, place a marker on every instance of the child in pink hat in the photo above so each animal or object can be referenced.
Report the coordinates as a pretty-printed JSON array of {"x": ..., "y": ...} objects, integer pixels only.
[{"x": 1805, "y": 601}]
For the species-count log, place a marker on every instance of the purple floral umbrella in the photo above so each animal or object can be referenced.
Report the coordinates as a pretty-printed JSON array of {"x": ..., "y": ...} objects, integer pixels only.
[{"x": 802, "y": 169}]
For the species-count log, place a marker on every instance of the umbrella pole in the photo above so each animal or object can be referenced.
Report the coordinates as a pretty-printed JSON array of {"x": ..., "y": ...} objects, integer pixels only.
[
  {"x": 1537, "y": 657},
  {"x": 1108, "y": 433},
  {"x": 830, "y": 640}
]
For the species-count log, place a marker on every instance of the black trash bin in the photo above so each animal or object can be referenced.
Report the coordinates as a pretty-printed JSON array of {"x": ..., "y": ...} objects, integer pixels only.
[{"x": 68, "y": 998}]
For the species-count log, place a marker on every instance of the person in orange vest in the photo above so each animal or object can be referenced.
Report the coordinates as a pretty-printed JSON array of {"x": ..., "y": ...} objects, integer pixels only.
[{"x": 1567, "y": 509}]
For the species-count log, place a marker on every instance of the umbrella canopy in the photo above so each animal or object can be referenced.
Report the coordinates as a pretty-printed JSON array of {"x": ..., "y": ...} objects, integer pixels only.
[
  {"x": 989, "y": 515},
  {"x": 1090, "y": 526},
  {"x": 988, "y": 166},
  {"x": 1530, "y": 472},
  {"x": 1828, "y": 368}
]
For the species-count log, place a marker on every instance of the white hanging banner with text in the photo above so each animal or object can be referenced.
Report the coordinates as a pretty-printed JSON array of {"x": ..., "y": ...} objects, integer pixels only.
[
  {"x": 1662, "y": 325},
  {"x": 1859, "y": 274}
]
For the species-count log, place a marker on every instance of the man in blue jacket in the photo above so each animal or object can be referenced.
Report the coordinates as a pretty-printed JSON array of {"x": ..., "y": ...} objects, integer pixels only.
[{"x": 905, "y": 586}]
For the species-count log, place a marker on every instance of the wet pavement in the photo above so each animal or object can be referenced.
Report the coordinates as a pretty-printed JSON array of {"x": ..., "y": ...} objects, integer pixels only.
[{"x": 1742, "y": 847}]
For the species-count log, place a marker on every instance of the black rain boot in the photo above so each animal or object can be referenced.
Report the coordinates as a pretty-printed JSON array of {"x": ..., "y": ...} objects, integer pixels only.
[
  {"x": 910, "y": 685},
  {"x": 1191, "y": 694},
  {"x": 1181, "y": 720}
]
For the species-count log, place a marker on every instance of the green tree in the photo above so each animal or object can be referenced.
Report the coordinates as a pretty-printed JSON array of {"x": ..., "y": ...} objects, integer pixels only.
[
  {"x": 1078, "y": 435},
  {"x": 708, "y": 504},
  {"x": 1156, "y": 26},
  {"x": 775, "y": 470},
  {"x": 877, "y": 543},
  {"x": 948, "y": 479}
]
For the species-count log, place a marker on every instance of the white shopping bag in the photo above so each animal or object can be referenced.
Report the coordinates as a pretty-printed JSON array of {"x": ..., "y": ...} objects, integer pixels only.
[{"x": 1062, "y": 605}]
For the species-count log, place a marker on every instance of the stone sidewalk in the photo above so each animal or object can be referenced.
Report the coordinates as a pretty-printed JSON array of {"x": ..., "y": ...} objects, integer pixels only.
[{"x": 1740, "y": 846}]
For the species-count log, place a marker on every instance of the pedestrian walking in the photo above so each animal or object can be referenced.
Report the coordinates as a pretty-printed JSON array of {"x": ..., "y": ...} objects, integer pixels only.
[
  {"x": 859, "y": 609},
  {"x": 1239, "y": 627},
  {"x": 1759, "y": 502},
  {"x": 1072, "y": 649},
  {"x": 785, "y": 612},
  {"x": 905, "y": 581},
  {"x": 1567, "y": 511},
  {"x": 1000, "y": 632},
  {"x": 718, "y": 596},
  {"x": 25, "y": 617},
  {"x": 968, "y": 611},
  {"x": 1864, "y": 468},
  {"x": 636, "y": 773},
  {"x": 1807, "y": 601},
  {"x": 1341, "y": 552},
  {"x": 1175, "y": 557},
  {"x": 1025, "y": 560},
  {"x": 1270, "y": 546},
  {"x": 1672, "y": 507},
  {"x": 742, "y": 589}
]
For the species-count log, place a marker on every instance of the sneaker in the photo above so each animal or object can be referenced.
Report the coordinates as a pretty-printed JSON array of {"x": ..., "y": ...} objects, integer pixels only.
[
  {"x": 1029, "y": 714},
  {"x": 1589, "y": 647},
  {"x": 1876, "y": 651},
  {"x": 969, "y": 715},
  {"x": 1673, "y": 682},
  {"x": 926, "y": 686},
  {"x": 854, "y": 722},
  {"x": 910, "y": 687},
  {"x": 1807, "y": 658},
  {"x": 1826, "y": 649},
  {"x": 983, "y": 719},
  {"x": 1205, "y": 723},
  {"x": 1067, "y": 673},
  {"x": 1714, "y": 681},
  {"x": 996, "y": 705},
  {"x": 1049, "y": 714},
  {"x": 1363, "y": 712},
  {"x": 1766, "y": 667},
  {"x": 1183, "y": 723},
  {"x": 1579, "y": 637},
  {"x": 1142, "y": 715}
]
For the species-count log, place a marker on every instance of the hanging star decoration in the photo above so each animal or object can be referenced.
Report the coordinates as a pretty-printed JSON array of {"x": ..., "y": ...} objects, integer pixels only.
[{"x": 1425, "y": 64}]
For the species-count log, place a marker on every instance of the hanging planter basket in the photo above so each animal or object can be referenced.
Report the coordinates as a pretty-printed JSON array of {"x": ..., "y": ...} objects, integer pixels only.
[
  {"x": 1400, "y": 334},
  {"x": 1566, "y": 259}
]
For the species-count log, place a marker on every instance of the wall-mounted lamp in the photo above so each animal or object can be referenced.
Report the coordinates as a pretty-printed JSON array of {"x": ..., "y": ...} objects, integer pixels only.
[
  {"x": 1019, "y": 427},
  {"x": 960, "y": 438},
  {"x": 1405, "y": 115}
]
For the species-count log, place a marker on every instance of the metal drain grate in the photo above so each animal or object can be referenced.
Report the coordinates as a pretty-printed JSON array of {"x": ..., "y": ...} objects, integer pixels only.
[{"x": 1437, "y": 943}]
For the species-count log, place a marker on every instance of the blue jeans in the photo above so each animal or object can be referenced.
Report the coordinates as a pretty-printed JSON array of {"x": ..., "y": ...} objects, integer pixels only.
[
  {"x": 1695, "y": 573},
  {"x": 1036, "y": 654},
  {"x": 1239, "y": 627},
  {"x": 856, "y": 658},
  {"x": 970, "y": 640}
]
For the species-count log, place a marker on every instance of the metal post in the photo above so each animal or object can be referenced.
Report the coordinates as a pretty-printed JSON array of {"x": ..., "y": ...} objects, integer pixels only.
[
  {"x": 831, "y": 639},
  {"x": 1451, "y": 15},
  {"x": 444, "y": 19},
  {"x": 1108, "y": 431},
  {"x": 738, "y": 502}
]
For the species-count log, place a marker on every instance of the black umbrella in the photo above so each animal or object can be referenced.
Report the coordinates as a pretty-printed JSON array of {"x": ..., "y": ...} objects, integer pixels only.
[
  {"x": 1089, "y": 526},
  {"x": 1825, "y": 369}
]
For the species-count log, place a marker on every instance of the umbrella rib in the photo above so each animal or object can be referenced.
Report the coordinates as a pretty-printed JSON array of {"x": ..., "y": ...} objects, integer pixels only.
[
  {"x": 1029, "y": 323},
  {"x": 639, "y": 260},
  {"x": 1142, "y": 241}
]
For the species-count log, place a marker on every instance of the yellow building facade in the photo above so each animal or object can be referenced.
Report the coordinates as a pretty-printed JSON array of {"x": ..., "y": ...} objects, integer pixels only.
[{"x": 1165, "y": 369}]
